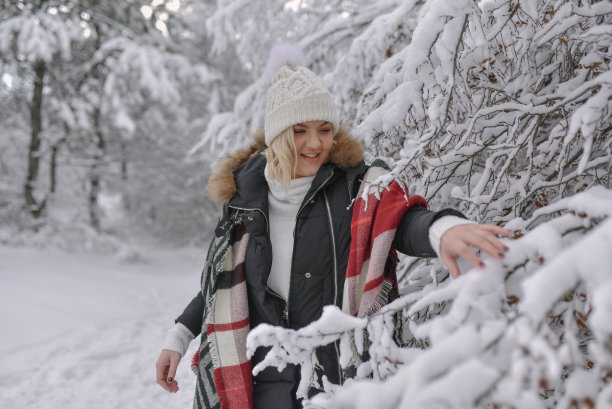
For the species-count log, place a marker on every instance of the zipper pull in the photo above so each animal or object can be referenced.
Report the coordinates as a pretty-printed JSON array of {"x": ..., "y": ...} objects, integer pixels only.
[{"x": 286, "y": 314}]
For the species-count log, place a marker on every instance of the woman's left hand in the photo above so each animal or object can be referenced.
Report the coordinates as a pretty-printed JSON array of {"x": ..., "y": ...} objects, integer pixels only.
[{"x": 456, "y": 242}]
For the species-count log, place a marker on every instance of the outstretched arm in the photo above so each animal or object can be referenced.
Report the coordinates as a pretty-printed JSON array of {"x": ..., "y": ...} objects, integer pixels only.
[
  {"x": 413, "y": 233},
  {"x": 447, "y": 234}
]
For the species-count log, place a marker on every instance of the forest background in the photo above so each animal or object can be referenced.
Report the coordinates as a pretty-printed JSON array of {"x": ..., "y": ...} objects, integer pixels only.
[{"x": 113, "y": 114}]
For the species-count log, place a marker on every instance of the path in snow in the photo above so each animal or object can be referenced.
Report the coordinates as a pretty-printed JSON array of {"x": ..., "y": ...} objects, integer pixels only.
[{"x": 84, "y": 331}]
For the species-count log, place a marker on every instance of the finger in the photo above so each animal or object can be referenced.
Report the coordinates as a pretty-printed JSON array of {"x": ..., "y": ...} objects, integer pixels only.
[
  {"x": 162, "y": 367},
  {"x": 489, "y": 244},
  {"x": 173, "y": 386},
  {"x": 488, "y": 233},
  {"x": 497, "y": 243},
  {"x": 161, "y": 371},
  {"x": 494, "y": 240},
  {"x": 470, "y": 257},
  {"x": 491, "y": 228},
  {"x": 174, "y": 361},
  {"x": 451, "y": 265},
  {"x": 167, "y": 386},
  {"x": 479, "y": 239}
]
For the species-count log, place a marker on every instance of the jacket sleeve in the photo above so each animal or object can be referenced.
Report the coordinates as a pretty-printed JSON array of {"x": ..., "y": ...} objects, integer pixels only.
[
  {"x": 193, "y": 315},
  {"x": 412, "y": 235}
]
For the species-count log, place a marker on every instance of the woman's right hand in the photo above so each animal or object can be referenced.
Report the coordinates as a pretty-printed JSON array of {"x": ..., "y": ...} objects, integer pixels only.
[{"x": 166, "y": 369}]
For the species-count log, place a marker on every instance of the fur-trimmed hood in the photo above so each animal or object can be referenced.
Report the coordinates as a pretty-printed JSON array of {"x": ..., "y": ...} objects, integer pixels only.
[{"x": 347, "y": 153}]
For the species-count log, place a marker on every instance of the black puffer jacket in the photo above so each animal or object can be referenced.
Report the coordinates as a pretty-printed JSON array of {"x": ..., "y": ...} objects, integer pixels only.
[{"x": 320, "y": 255}]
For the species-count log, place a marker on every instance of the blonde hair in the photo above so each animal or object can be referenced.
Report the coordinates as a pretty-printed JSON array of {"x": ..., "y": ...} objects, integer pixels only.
[{"x": 280, "y": 154}]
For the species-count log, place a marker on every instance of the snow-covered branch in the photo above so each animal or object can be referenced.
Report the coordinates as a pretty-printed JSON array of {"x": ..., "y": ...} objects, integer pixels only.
[{"x": 510, "y": 118}]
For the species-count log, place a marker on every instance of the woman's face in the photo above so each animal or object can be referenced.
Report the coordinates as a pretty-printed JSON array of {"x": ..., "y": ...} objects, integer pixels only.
[{"x": 313, "y": 143}]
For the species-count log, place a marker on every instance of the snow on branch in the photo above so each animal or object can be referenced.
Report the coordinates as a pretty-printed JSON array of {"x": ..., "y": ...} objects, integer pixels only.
[
  {"x": 39, "y": 36},
  {"x": 532, "y": 330},
  {"x": 500, "y": 108}
]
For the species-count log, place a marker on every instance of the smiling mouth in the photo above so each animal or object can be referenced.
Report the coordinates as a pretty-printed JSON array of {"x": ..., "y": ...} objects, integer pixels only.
[{"x": 310, "y": 155}]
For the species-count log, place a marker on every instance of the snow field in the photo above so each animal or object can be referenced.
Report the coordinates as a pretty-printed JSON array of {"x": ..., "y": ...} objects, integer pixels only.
[{"x": 84, "y": 331}]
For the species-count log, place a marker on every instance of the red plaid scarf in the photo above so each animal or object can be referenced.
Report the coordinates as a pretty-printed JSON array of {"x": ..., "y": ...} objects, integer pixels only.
[{"x": 370, "y": 283}]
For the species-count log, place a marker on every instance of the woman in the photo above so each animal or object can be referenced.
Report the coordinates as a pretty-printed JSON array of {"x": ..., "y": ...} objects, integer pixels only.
[{"x": 281, "y": 248}]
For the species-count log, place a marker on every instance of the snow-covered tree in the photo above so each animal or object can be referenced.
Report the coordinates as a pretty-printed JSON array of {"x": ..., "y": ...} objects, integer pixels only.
[
  {"x": 122, "y": 74},
  {"x": 500, "y": 108},
  {"x": 32, "y": 37}
]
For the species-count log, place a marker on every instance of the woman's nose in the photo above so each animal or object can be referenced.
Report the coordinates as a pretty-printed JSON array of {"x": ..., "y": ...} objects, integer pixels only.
[{"x": 313, "y": 140}]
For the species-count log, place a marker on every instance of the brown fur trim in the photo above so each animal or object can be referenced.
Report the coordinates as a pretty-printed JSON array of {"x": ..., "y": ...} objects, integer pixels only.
[
  {"x": 221, "y": 185},
  {"x": 347, "y": 152}
]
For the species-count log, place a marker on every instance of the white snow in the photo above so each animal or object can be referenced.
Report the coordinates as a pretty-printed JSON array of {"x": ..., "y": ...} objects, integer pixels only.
[{"x": 84, "y": 331}]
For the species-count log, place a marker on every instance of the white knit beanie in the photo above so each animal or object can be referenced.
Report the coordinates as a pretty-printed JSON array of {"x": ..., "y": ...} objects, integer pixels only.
[{"x": 296, "y": 95}]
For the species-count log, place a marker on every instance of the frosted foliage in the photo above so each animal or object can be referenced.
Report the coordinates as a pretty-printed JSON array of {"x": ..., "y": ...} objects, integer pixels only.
[
  {"x": 143, "y": 76},
  {"x": 531, "y": 331},
  {"x": 110, "y": 106},
  {"x": 501, "y": 106},
  {"x": 389, "y": 30},
  {"x": 255, "y": 26},
  {"x": 39, "y": 37},
  {"x": 281, "y": 54}
]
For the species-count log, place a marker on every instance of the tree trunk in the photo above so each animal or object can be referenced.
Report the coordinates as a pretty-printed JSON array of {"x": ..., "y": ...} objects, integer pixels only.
[
  {"x": 94, "y": 189},
  {"x": 94, "y": 176},
  {"x": 53, "y": 165},
  {"x": 124, "y": 165},
  {"x": 33, "y": 205}
]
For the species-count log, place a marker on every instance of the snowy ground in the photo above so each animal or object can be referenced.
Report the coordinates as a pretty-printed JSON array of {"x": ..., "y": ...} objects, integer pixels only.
[{"x": 84, "y": 331}]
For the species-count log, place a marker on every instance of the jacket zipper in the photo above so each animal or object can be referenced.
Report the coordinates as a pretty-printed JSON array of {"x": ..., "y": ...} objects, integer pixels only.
[
  {"x": 333, "y": 237},
  {"x": 286, "y": 311}
]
